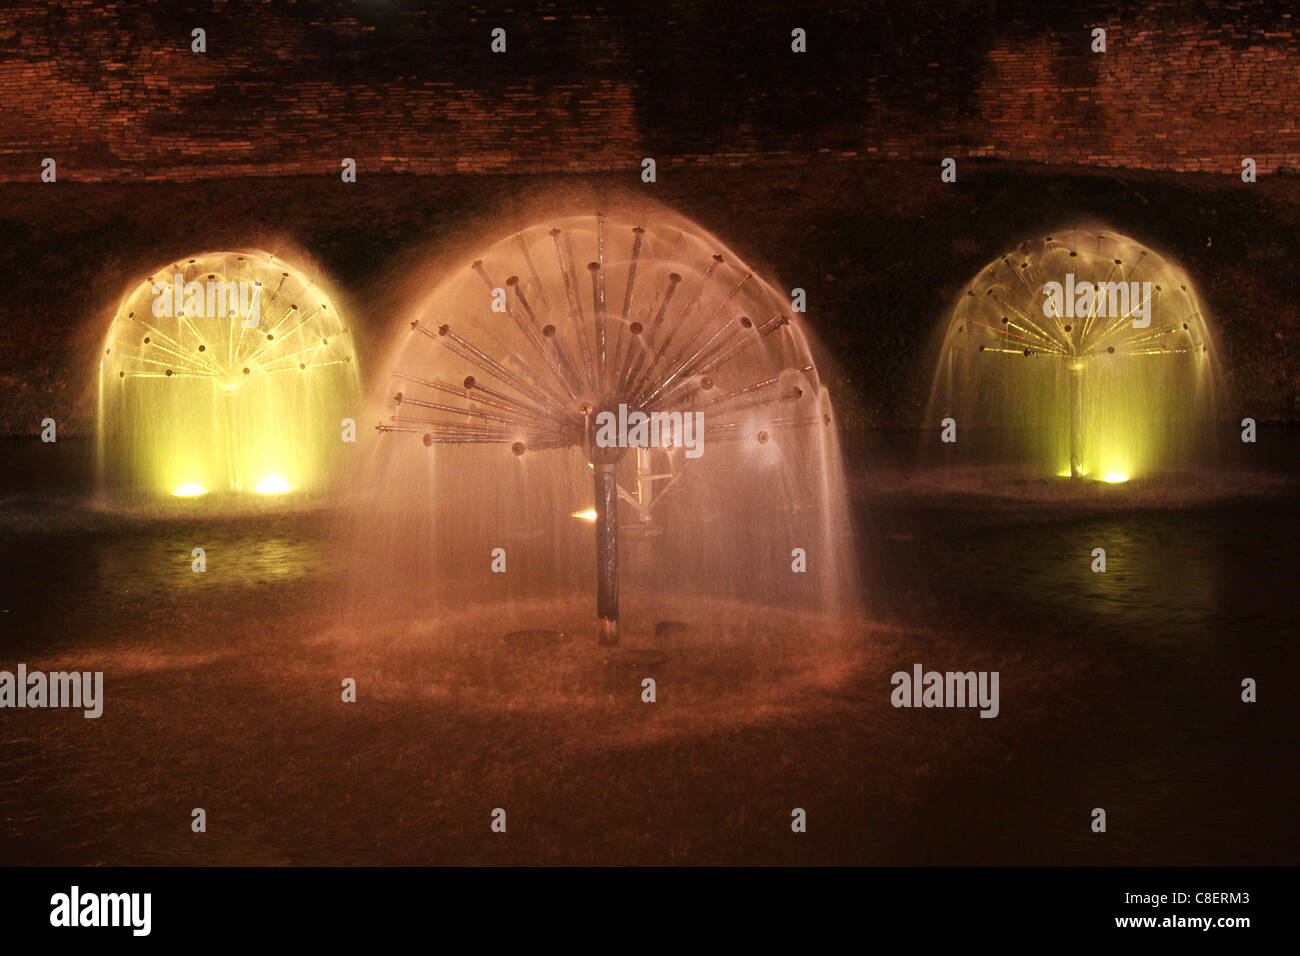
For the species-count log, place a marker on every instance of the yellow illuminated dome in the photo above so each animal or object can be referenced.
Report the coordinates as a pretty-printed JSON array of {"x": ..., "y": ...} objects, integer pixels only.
[
  {"x": 228, "y": 371},
  {"x": 1083, "y": 352}
]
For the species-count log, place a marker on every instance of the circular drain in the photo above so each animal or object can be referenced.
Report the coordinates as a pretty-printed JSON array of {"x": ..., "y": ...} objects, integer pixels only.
[{"x": 534, "y": 639}]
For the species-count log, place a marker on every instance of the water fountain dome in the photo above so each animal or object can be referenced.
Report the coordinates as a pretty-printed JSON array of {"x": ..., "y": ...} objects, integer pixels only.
[
  {"x": 1084, "y": 353},
  {"x": 225, "y": 372},
  {"x": 506, "y": 374}
]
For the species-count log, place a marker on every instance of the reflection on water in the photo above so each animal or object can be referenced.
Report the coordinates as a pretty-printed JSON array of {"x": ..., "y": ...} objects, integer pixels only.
[
  {"x": 1119, "y": 689},
  {"x": 1146, "y": 719},
  {"x": 234, "y": 559},
  {"x": 94, "y": 578},
  {"x": 1220, "y": 571}
]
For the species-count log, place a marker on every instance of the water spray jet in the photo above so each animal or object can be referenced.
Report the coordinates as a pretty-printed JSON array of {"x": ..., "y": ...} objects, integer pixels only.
[
  {"x": 661, "y": 326},
  {"x": 1083, "y": 352},
  {"x": 224, "y": 372}
]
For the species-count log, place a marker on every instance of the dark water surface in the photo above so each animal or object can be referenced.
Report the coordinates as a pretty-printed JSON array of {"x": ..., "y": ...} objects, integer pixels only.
[{"x": 1118, "y": 690}]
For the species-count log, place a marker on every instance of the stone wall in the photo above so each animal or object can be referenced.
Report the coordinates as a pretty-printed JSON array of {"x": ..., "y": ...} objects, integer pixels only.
[{"x": 113, "y": 91}]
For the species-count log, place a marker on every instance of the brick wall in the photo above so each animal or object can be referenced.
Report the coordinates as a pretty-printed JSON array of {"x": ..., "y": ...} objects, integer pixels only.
[{"x": 113, "y": 92}]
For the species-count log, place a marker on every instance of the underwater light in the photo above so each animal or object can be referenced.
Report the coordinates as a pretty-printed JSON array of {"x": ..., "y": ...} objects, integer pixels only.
[
  {"x": 588, "y": 515},
  {"x": 271, "y": 485},
  {"x": 190, "y": 490},
  {"x": 1114, "y": 477}
]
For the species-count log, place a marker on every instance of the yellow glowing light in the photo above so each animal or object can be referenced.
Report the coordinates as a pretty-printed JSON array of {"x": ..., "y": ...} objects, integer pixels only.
[
  {"x": 271, "y": 485},
  {"x": 1114, "y": 477},
  {"x": 190, "y": 490},
  {"x": 268, "y": 375},
  {"x": 1124, "y": 394},
  {"x": 588, "y": 515}
]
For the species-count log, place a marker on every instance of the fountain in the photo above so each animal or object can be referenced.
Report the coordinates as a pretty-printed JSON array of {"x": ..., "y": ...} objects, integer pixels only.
[
  {"x": 1083, "y": 353},
  {"x": 614, "y": 391},
  {"x": 224, "y": 372}
]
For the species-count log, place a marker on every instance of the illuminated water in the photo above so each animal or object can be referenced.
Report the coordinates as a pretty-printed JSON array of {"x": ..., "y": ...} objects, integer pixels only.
[
  {"x": 236, "y": 377},
  {"x": 1118, "y": 690},
  {"x": 480, "y": 488},
  {"x": 1060, "y": 377}
]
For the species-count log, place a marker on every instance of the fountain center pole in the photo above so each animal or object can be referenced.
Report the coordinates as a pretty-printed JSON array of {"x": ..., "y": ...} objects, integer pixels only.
[
  {"x": 1076, "y": 417},
  {"x": 232, "y": 437},
  {"x": 607, "y": 551},
  {"x": 604, "y": 465}
]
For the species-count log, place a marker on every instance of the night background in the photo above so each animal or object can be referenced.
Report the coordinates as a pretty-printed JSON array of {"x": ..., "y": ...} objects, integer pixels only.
[{"x": 821, "y": 171}]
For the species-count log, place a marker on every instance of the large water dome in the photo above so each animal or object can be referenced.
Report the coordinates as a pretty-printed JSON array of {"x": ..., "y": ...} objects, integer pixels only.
[
  {"x": 1083, "y": 354},
  {"x": 224, "y": 372},
  {"x": 513, "y": 464}
]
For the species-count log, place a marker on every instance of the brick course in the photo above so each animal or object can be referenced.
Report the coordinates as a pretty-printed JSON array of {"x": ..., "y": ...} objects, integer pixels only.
[{"x": 115, "y": 94}]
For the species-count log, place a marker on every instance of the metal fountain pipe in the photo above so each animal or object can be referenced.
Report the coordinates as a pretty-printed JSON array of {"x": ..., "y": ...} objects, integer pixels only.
[
  {"x": 604, "y": 462},
  {"x": 607, "y": 552},
  {"x": 1076, "y": 417}
]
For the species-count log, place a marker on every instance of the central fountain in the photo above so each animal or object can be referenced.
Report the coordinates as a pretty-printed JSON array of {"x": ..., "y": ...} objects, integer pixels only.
[{"x": 643, "y": 354}]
